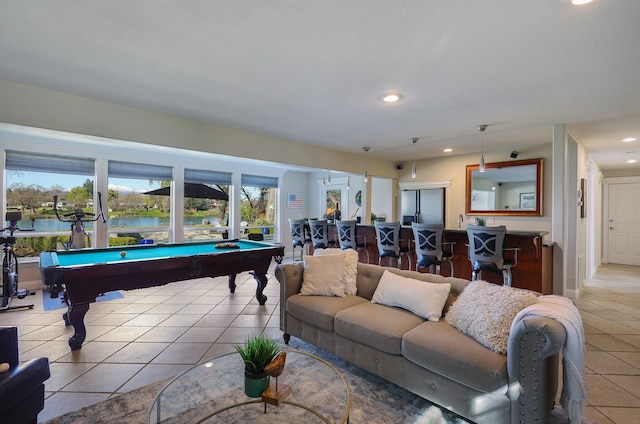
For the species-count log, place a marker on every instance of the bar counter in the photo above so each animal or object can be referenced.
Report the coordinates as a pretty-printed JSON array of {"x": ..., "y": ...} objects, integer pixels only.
[{"x": 534, "y": 270}]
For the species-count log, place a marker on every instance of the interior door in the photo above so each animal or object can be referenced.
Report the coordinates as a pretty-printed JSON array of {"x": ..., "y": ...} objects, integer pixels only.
[{"x": 624, "y": 224}]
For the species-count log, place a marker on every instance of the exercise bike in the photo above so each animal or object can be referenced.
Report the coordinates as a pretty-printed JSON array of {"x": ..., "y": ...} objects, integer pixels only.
[
  {"x": 10, "y": 265},
  {"x": 78, "y": 236},
  {"x": 77, "y": 219}
]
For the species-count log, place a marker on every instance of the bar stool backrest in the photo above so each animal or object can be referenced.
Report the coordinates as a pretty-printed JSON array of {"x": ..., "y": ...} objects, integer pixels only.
[
  {"x": 486, "y": 244},
  {"x": 388, "y": 238},
  {"x": 347, "y": 234},
  {"x": 428, "y": 239},
  {"x": 319, "y": 233}
]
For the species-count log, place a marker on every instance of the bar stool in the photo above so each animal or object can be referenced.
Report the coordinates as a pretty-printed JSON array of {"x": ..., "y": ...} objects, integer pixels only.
[
  {"x": 389, "y": 246},
  {"x": 428, "y": 245},
  {"x": 486, "y": 252},
  {"x": 320, "y": 234},
  {"x": 297, "y": 236},
  {"x": 348, "y": 238}
]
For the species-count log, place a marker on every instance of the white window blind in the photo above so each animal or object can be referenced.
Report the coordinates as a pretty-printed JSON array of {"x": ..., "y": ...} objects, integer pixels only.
[
  {"x": 140, "y": 170},
  {"x": 202, "y": 176},
  {"x": 35, "y": 162},
  {"x": 259, "y": 181}
]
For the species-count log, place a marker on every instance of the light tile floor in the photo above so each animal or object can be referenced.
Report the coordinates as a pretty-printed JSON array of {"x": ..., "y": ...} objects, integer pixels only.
[{"x": 155, "y": 333}]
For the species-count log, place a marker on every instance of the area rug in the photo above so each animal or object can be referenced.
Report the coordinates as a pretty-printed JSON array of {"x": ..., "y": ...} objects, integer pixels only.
[
  {"x": 50, "y": 304},
  {"x": 373, "y": 401}
]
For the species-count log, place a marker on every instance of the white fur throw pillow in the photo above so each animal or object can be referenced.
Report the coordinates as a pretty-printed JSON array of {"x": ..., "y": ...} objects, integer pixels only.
[
  {"x": 420, "y": 297},
  {"x": 350, "y": 270},
  {"x": 485, "y": 311},
  {"x": 323, "y": 276}
]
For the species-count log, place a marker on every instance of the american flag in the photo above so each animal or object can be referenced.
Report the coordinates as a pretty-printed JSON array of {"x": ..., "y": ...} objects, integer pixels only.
[{"x": 295, "y": 200}]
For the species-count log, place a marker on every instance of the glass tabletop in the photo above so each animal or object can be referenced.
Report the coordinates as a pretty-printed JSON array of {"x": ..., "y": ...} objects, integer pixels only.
[{"x": 213, "y": 391}]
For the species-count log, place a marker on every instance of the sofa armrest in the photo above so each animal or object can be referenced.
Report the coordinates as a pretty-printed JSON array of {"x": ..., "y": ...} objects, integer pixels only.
[
  {"x": 290, "y": 278},
  {"x": 532, "y": 366},
  {"x": 9, "y": 346}
]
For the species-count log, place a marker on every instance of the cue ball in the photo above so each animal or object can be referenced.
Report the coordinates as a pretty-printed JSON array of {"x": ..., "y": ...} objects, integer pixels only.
[{"x": 123, "y": 253}]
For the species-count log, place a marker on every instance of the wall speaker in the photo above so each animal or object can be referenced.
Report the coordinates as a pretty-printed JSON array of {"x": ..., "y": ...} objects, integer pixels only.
[
  {"x": 399, "y": 166},
  {"x": 514, "y": 154}
]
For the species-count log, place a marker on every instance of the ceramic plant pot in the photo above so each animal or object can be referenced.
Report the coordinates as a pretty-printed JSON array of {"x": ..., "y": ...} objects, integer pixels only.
[{"x": 255, "y": 384}]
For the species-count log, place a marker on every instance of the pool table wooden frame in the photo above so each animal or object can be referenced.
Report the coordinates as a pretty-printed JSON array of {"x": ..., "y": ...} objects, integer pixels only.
[{"x": 83, "y": 283}]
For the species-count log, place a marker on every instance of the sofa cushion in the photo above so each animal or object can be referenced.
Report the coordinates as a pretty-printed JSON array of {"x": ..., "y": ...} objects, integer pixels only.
[
  {"x": 350, "y": 270},
  {"x": 323, "y": 276},
  {"x": 485, "y": 312},
  {"x": 320, "y": 311},
  {"x": 420, "y": 297},
  {"x": 441, "y": 348},
  {"x": 377, "y": 326}
]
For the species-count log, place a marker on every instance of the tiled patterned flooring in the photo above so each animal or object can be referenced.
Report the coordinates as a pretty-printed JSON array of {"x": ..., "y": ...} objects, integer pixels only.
[{"x": 155, "y": 333}]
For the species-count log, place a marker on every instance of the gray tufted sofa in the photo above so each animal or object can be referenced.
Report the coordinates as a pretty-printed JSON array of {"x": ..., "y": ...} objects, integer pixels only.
[{"x": 430, "y": 359}]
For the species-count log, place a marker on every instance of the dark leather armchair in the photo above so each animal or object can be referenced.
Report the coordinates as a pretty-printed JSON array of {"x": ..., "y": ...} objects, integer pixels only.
[{"x": 22, "y": 387}]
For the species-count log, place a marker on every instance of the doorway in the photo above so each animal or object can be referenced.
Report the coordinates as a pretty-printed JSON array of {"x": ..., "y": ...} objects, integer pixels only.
[{"x": 623, "y": 226}]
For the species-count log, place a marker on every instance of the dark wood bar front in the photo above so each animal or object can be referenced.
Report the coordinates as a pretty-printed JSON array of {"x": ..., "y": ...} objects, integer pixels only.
[{"x": 534, "y": 270}]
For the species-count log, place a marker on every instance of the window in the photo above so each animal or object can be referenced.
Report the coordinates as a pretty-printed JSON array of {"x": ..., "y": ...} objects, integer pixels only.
[
  {"x": 258, "y": 206},
  {"x": 335, "y": 196},
  {"x": 206, "y": 205},
  {"x": 136, "y": 217},
  {"x": 32, "y": 182}
]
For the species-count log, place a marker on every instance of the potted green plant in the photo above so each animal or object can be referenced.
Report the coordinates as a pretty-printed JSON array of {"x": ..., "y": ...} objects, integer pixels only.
[{"x": 257, "y": 352}]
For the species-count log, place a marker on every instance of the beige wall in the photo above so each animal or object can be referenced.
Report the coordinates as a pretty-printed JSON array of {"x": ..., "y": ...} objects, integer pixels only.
[
  {"x": 40, "y": 108},
  {"x": 453, "y": 168}
]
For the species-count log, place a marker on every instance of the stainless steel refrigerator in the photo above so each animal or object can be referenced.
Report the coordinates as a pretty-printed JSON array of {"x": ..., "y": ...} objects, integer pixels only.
[{"x": 423, "y": 206}]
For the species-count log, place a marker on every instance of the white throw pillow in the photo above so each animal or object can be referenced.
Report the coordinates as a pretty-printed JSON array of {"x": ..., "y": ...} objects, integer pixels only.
[
  {"x": 323, "y": 276},
  {"x": 350, "y": 271},
  {"x": 485, "y": 311},
  {"x": 420, "y": 297}
]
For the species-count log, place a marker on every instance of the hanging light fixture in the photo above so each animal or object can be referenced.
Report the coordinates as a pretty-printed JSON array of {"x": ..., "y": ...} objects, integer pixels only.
[
  {"x": 414, "y": 140},
  {"x": 348, "y": 183},
  {"x": 482, "y": 167},
  {"x": 365, "y": 176}
]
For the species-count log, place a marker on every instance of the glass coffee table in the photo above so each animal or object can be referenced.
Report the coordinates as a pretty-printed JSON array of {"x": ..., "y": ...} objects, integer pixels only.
[{"x": 213, "y": 391}]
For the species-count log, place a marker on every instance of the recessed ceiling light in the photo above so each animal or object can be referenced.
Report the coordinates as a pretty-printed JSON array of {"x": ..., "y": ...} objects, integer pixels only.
[
  {"x": 448, "y": 150},
  {"x": 580, "y": 2},
  {"x": 628, "y": 139},
  {"x": 390, "y": 98},
  {"x": 632, "y": 161}
]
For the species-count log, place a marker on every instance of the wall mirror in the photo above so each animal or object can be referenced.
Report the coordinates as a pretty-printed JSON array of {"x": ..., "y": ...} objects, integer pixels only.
[{"x": 511, "y": 188}]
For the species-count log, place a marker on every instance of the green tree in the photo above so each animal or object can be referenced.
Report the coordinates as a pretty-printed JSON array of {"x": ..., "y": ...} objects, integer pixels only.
[
  {"x": 26, "y": 197},
  {"x": 78, "y": 196}
]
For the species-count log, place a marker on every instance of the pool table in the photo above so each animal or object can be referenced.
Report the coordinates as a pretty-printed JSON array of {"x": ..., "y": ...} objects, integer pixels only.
[{"x": 86, "y": 273}]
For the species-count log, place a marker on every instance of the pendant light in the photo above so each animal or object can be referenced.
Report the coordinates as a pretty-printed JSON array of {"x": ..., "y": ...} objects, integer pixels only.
[
  {"x": 365, "y": 176},
  {"x": 482, "y": 167},
  {"x": 414, "y": 140}
]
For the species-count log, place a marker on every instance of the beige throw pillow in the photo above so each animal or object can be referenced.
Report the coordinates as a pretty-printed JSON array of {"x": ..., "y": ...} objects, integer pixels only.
[
  {"x": 485, "y": 311},
  {"x": 420, "y": 297},
  {"x": 323, "y": 276},
  {"x": 350, "y": 269}
]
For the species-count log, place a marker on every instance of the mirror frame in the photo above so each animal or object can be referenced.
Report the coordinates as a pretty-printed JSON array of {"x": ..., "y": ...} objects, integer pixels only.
[{"x": 507, "y": 212}]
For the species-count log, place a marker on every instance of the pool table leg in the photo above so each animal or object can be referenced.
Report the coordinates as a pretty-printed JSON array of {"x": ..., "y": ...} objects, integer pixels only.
[
  {"x": 261, "y": 279},
  {"x": 232, "y": 283},
  {"x": 75, "y": 316}
]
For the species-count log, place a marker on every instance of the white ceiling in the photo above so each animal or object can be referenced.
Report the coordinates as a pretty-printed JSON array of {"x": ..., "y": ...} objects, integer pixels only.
[{"x": 311, "y": 71}]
